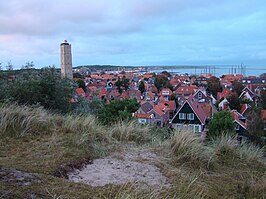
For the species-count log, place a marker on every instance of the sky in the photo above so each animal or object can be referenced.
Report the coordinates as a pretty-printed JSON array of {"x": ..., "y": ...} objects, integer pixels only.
[{"x": 134, "y": 32}]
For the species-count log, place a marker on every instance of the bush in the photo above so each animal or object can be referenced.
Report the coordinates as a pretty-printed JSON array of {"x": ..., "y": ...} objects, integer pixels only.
[{"x": 222, "y": 123}]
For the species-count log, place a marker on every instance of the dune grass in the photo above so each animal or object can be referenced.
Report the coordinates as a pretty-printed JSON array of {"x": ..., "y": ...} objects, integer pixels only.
[{"x": 35, "y": 140}]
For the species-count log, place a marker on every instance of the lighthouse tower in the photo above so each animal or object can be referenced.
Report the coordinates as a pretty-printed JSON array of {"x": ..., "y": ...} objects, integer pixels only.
[{"x": 66, "y": 60}]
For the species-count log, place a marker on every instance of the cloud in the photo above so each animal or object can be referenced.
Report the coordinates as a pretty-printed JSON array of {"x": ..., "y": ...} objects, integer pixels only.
[{"x": 134, "y": 31}]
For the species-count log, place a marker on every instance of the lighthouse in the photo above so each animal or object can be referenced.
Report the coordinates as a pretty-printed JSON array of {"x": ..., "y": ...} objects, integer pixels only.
[{"x": 66, "y": 60}]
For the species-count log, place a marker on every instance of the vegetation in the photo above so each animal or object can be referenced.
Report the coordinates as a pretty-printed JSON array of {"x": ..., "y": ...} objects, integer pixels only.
[
  {"x": 222, "y": 123},
  {"x": 44, "y": 88},
  {"x": 214, "y": 85},
  {"x": 234, "y": 102},
  {"x": 117, "y": 110},
  {"x": 141, "y": 87},
  {"x": 33, "y": 140},
  {"x": 161, "y": 81}
]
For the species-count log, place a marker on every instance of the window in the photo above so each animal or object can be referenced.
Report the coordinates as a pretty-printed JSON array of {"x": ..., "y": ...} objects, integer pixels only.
[
  {"x": 197, "y": 128},
  {"x": 182, "y": 116},
  {"x": 237, "y": 127},
  {"x": 190, "y": 116},
  {"x": 199, "y": 95}
]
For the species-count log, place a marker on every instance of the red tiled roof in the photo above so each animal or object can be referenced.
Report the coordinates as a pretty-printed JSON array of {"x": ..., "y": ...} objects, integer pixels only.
[
  {"x": 143, "y": 115},
  {"x": 225, "y": 93},
  {"x": 80, "y": 92},
  {"x": 185, "y": 89},
  {"x": 169, "y": 104}
]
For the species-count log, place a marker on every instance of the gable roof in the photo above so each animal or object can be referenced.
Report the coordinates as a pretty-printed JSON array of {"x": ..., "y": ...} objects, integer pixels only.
[
  {"x": 80, "y": 92},
  {"x": 196, "y": 108},
  {"x": 224, "y": 94},
  {"x": 237, "y": 116}
]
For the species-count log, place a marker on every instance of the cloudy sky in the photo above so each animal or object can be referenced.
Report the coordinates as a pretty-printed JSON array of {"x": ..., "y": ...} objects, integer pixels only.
[{"x": 134, "y": 32}]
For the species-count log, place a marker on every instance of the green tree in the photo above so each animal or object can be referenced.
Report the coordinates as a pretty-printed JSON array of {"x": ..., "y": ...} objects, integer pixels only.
[
  {"x": 118, "y": 110},
  {"x": 45, "y": 88},
  {"x": 237, "y": 87},
  {"x": 222, "y": 123},
  {"x": 214, "y": 85},
  {"x": 263, "y": 99},
  {"x": 125, "y": 83},
  {"x": 256, "y": 127},
  {"x": 9, "y": 66},
  {"x": 141, "y": 87},
  {"x": 119, "y": 84},
  {"x": 234, "y": 102},
  {"x": 162, "y": 81},
  {"x": 28, "y": 65},
  {"x": 81, "y": 84}
]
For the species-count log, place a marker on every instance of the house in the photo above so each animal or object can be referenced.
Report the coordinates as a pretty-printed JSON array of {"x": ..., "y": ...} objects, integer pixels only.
[
  {"x": 190, "y": 116},
  {"x": 145, "y": 107},
  {"x": 165, "y": 94},
  {"x": 185, "y": 91},
  {"x": 248, "y": 95},
  {"x": 224, "y": 104},
  {"x": 224, "y": 94},
  {"x": 241, "y": 125},
  {"x": 201, "y": 96},
  {"x": 144, "y": 118},
  {"x": 161, "y": 115}
]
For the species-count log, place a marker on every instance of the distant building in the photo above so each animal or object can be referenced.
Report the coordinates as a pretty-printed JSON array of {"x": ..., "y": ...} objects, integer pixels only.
[{"x": 66, "y": 60}]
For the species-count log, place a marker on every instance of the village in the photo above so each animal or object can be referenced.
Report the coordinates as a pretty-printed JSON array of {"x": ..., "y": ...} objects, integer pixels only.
[{"x": 181, "y": 101}]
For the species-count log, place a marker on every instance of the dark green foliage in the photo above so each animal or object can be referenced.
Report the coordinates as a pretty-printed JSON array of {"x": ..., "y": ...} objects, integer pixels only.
[
  {"x": 141, "y": 87},
  {"x": 214, "y": 85},
  {"x": 124, "y": 83},
  {"x": 162, "y": 81},
  {"x": 237, "y": 87},
  {"x": 222, "y": 123},
  {"x": 263, "y": 99},
  {"x": 118, "y": 110},
  {"x": 45, "y": 88},
  {"x": 256, "y": 127},
  {"x": 118, "y": 84},
  {"x": 165, "y": 73},
  {"x": 81, "y": 84},
  {"x": 234, "y": 102}
]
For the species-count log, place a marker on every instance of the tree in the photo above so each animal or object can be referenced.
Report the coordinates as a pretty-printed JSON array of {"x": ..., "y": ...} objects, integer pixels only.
[
  {"x": 28, "y": 65},
  {"x": 263, "y": 99},
  {"x": 9, "y": 66},
  {"x": 81, "y": 84},
  {"x": 142, "y": 87},
  {"x": 165, "y": 73},
  {"x": 162, "y": 82},
  {"x": 118, "y": 110},
  {"x": 118, "y": 84},
  {"x": 125, "y": 83},
  {"x": 214, "y": 85},
  {"x": 222, "y": 123},
  {"x": 45, "y": 88},
  {"x": 234, "y": 102},
  {"x": 256, "y": 127},
  {"x": 0, "y": 65},
  {"x": 237, "y": 87}
]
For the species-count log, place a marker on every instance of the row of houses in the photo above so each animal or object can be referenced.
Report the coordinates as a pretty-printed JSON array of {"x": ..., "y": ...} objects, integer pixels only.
[{"x": 187, "y": 105}]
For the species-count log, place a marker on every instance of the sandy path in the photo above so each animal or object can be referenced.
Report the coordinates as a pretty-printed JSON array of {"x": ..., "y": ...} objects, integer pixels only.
[{"x": 134, "y": 165}]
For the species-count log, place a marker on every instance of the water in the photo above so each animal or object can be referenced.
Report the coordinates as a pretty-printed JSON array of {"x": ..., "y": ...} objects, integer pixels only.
[{"x": 217, "y": 70}]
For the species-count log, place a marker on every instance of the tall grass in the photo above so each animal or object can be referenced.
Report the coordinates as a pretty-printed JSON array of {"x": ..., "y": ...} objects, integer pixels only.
[
  {"x": 22, "y": 120},
  {"x": 187, "y": 147},
  {"x": 131, "y": 131}
]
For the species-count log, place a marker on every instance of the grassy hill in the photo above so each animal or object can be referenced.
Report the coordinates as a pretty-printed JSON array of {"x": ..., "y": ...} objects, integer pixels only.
[{"x": 38, "y": 149}]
